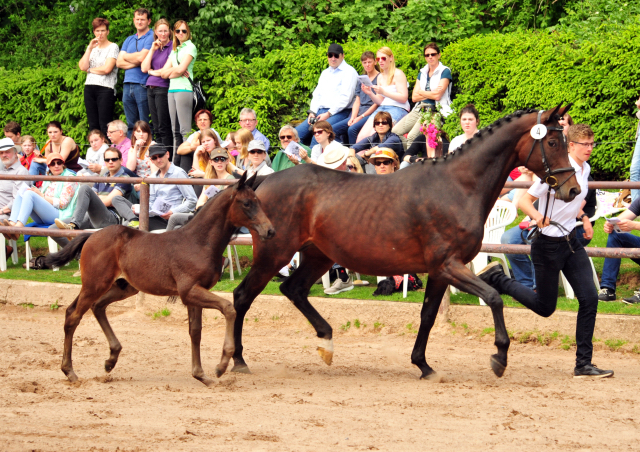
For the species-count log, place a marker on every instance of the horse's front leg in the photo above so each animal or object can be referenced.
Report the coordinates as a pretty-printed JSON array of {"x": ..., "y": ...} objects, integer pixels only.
[{"x": 464, "y": 279}]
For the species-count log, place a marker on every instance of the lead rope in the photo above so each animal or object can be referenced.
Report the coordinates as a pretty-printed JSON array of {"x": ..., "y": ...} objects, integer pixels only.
[{"x": 534, "y": 232}]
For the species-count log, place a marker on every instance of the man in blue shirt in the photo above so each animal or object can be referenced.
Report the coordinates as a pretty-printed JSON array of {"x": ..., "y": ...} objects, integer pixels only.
[
  {"x": 132, "y": 54},
  {"x": 249, "y": 120}
]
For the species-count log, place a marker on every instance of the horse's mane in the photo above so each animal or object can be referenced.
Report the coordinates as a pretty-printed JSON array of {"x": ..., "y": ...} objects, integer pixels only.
[{"x": 203, "y": 206}]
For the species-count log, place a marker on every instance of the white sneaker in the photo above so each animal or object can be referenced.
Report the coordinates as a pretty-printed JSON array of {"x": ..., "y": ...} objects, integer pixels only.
[
  {"x": 284, "y": 271},
  {"x": 338, "y": 286}
]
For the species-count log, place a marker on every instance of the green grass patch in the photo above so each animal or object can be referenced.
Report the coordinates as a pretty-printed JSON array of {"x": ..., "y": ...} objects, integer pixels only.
[
  {"x": 161, "y": 313},
  {"x": 615, "y": 344}
]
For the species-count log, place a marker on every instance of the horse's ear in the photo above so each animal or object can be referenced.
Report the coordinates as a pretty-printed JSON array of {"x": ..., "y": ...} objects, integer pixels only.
[
  {"x": 565, "y": 110},
  {"x": 552, "y": 114},
  {"x": 242, "y": 181},
  {"x": 251, "y": 180}
]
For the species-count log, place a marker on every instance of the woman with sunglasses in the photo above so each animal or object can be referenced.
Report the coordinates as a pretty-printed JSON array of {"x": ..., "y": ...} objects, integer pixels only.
[
  {"x": 282, "y": 160},
  {"x": 382, "y": 138},
  {"x": 324, "y": 135},
  {"x": 179, "y": 69},
  {"x": 385, "y": 160},
  {"x": 58, "y": 143},
  {"x": 432, "y": 90},
  {"x": 390, "y": 94},
  {"x": 256, "y": 162},
  {"x": 53, "y": 200}
]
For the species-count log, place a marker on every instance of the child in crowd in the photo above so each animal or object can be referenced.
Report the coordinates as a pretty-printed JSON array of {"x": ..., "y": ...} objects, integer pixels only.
[
  {"x": 28, "y": 144},
  {"x": 95, "y": 154}
]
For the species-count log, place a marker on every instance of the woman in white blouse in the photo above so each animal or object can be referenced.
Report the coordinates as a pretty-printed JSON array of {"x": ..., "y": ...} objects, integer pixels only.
[{"x": 99, "y": 62}]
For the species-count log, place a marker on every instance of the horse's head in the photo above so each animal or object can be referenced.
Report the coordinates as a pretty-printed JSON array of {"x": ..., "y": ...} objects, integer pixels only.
[
  {"x": 544, "y": 151},
  {"x": 246, "y": 209}
]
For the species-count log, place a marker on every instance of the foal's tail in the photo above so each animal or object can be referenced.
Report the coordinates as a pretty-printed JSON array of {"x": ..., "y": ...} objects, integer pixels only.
[{"x": 68, "y": 253}]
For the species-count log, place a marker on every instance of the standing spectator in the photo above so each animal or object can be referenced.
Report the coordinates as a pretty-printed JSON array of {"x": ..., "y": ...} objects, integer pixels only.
[
  {"x": 391, "y": 93},
  {"x": 203, "y": 122},
  {"x": 333, "y": 96},
  {"x": 157, "y": 87},
  {"x": 133, "y": 52},
  {"x": 95, "y": 154},
  {"x": 57, "y": 144},
  {"x": 10, "y": 166},
  {"x": 178, "y": 69},
  {"x": 469, "y": 120},
  {"x": 13, "y": 130},
  {"x": 256, "y": 161},
  {"x": 248, "y": 120},
  {"x": 117, "y": 133},
  {"x": 28, "y": 144},
  {"x": 432, "y": 89},
  {"x": 635, "y": 161},
  {"x": 99, "y": 62},
  {"x": 138, "y": 157}
]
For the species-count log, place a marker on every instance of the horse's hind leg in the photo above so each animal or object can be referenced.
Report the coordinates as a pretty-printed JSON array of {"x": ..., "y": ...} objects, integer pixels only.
[
  {"x": 195, "y": 331},
  {"x": 120, "y": 290},
  {"x": 464, "y": 279},
  {"x": 432, "y": 298}
]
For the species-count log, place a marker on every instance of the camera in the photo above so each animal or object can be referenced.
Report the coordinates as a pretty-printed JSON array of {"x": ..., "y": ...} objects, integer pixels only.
[{"x": 313, "y": 120}]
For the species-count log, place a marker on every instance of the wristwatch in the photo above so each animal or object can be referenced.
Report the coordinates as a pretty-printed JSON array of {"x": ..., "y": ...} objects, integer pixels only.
[{"x": 582, "y": 216}]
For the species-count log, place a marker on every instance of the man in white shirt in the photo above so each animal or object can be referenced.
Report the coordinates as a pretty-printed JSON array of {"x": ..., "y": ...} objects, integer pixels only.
[
  {"x": 10, "y": 166},
  {"x": 333, "y": 97}
]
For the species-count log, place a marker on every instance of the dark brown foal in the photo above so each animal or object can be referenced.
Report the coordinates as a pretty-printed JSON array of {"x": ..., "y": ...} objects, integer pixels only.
[{"x": 186, "y": 263}]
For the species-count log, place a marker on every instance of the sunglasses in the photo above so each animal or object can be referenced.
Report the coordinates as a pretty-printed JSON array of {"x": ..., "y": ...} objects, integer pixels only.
[
  {"x": 380, "y": 123},
  {"x": 114, "y": 159},
  {"x": 56, "y": 163},
  {"x": 381, "y": 59},
  {"x": 219, "y": 159},
  {"x": 256, "y": 151},
  {"x": 318, "y": 132},
  {"x": 383, "y": 162},
  {"x": 286, "y": 137},
  {"x": 333, "y": 55},
  {"x": 427, "y": 55},
  {"x": 156, "y": 157},
  {"x": 351, "y": 167},
  {"x": 182, "y": 30}
]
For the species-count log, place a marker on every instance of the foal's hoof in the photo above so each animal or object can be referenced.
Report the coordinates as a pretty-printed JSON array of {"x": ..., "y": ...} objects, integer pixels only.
[
  {"x": 326, "y": 355},
  {"x": 497, "y": 367},
  {"x": 71, "y": 375},
  {"x": 220, "y": 370},
  {"x": 241, "y": 369},
  {"x": 108, "y": 366},
  {"x": 205, "y": 380}
]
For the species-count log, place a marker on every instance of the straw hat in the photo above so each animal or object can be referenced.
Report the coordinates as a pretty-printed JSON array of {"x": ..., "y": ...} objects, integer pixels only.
[{"x": 334, "y": 157}]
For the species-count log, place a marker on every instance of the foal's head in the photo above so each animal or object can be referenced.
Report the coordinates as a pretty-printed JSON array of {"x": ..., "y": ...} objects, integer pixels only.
[{"x": 245, "y": 209}]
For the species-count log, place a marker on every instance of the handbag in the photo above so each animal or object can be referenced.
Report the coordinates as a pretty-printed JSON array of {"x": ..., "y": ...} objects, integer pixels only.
[{"x": 199, "y": 99}]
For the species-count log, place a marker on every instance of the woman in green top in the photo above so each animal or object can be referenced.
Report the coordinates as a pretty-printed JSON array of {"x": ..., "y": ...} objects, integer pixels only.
[{"x": 178, "y": 69}]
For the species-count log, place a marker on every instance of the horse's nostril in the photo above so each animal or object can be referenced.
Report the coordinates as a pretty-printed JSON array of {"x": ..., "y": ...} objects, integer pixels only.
[{"x": 271, "y": 233}]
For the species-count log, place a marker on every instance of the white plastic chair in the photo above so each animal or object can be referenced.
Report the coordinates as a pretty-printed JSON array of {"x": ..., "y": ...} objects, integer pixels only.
[
  {"x": 53, "y": 248},
  {"x": 3, "y": 252}
]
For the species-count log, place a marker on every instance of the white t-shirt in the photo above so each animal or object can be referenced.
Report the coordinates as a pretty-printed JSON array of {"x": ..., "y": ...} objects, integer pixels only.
[
  {"x": 457, "y": 142},
  {"x": 559, "y": 211},
  {"x": 317, "y": 151}
]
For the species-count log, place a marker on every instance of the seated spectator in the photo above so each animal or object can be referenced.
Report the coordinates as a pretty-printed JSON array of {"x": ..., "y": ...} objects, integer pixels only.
[
  {"x": 95, "y": 154},
  {"x": 363, "y": 105},
  {"x": 181, "y": 198},
  {"x": 353, "y": 165},
  {"x": 432, "y": 90},
  {"x": 390, "y": 94},
  {"x": 257, "y": 162},
  {"x": 138, "y": 157},
  {"x": 13, "y": 130},
  {"x": 323, "y": 134},
  {"x": 117, "y": 133},
  {"x": 382, "y": 138},
  {"x": 94, "y": 206},
  {"x": 243, "y": 138},
  {"x": 566, "y": 121},
  {"x": 209, "y": 142},
  {"x": 232, "y": 146},
  {"x": 419, "y": 147},
  {"x": 282, "y": 161},
  {"x": 185, "y": 150},
  {"x": 332, "y": 98},
  {"x": 385, "y": 161},
  {"x": 10, "y": 166},
  {"x": 55, "y": 200},
  {"x": 469, "y": 120},
  {"x": 29, "y": 147},
  {"x": 634, "y": 171},
  {"x": 57, "y": 144},
  {"x": 248, "y": 120}
]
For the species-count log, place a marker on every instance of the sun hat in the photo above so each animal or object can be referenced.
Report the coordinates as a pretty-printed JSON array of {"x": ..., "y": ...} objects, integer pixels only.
[
  {"x": 384, "y": 153},
  {"x": 256, "y": 144},
  {"x": 334, "y": 157},
  {"x": 6, "y": 144},
  {"x": 219, "y": 152},
  {"x": 54, "y": 156}
]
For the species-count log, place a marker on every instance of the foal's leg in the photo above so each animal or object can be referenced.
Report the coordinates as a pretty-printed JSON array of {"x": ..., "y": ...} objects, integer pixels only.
[
  {"x": 120, "y": 290},
  {"x": 195, "y": 331},
  {"x": 464, "y": 279},
  {"x": 199, "y": 297},
  {"x": 432, "y": 298}
]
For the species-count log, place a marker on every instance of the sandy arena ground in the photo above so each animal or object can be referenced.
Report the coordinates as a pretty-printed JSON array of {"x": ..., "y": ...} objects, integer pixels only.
[{"x": 369, "y": 399}]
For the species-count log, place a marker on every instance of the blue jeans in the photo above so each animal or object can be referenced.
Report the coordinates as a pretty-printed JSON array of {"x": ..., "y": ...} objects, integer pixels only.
[
  {"x": 352, "y": 131},
  {"x": 396, "y": 113},
  {"x": 337, "y": 122},
  {"x": 32, "y": 205},
  {"x": 37, "y": 169},
  {"x": 136, "y": 105},
  {"x": 612, "y": 265}
]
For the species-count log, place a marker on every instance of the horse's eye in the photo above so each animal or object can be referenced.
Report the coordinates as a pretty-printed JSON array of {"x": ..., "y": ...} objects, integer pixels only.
[
  {"x": 552, "y": 143},
  {"x": 247, "y": 203}
]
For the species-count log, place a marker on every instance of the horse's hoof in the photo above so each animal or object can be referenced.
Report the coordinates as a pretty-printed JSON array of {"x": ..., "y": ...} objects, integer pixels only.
[
  {"x": 326, "y": 355},
  {"x": 241, "y": 369},
  {"x": 205, "y": 380},
  {"x": 220, "y": 370},
  {"x": 108, "y": 366},
  {"x": 497, "y": 367},
  {"x": 71, "y": 375},
  {"x": 428, "y": 374}
]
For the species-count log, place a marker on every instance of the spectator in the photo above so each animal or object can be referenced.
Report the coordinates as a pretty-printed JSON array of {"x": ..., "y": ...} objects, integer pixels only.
[
  {"x": 635, "y": 161},
  {"x": 363, "y": 105},
  {"x": 179, "y": 69},
  {"x": 13, "y": 130},
  {"x": 333, "y": 96},
  {"x": 385, "y": 160},
  {"x": 469, "y": 120},
  {"x": 117, "y": 133},
  {"x": 56, "y": 200},
  {"x": 323, "y": 134},
  {"x": 57, "y": 144},
  {"x": 244, "y": 138},
  {"x": 209, "y": 141},
  {"x": 256, "y": 162},
  {"x": 383, "y": 137},
  {"x": 353, "y": 165},
  {"x": 99, "y": 62},
  {"x": 95, "y": 154},
  {"x": 157, "y": 87},
  {"x": 282, "y": 160},
  {"x": 132, "y": 54},
  {"x": 432, "y": 89},
  {"x": 28, "y": 144},
  {"x": 231, "y": 144},
  {"x": 94, "y": 206},
  {"x": 138, "y": 157},
  {"x": 248, "y": 120},
  {"x": 390, "y": 94},
  {"x": 10, "y": 167},
  {"x": 566, "y": 121},
  {"x": 186, "y": 149},
  {"x": 419, "y": 147},
  {"x": 181, "y": 198}
]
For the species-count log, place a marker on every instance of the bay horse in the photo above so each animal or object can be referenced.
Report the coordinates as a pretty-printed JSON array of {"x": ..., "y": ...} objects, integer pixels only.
[
  {"x": 117, "y": 262},
  {"x": 433, "y": 225}
]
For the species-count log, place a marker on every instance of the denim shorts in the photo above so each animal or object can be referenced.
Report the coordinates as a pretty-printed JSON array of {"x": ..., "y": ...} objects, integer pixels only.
[{"x": 396, "y": 113}]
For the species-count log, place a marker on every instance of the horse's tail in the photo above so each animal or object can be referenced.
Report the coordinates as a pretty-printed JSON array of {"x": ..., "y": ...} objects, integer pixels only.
[{"x": 68, "y": 253}]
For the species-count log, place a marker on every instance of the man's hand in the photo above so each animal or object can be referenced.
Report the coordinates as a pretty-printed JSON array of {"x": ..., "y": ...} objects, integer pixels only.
[
  {"x": 588, "y": 230},
  {"x": 547, "y": 222},
  {"x": 324, "y": 116},
  {"x": 167, "y": 215}
]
